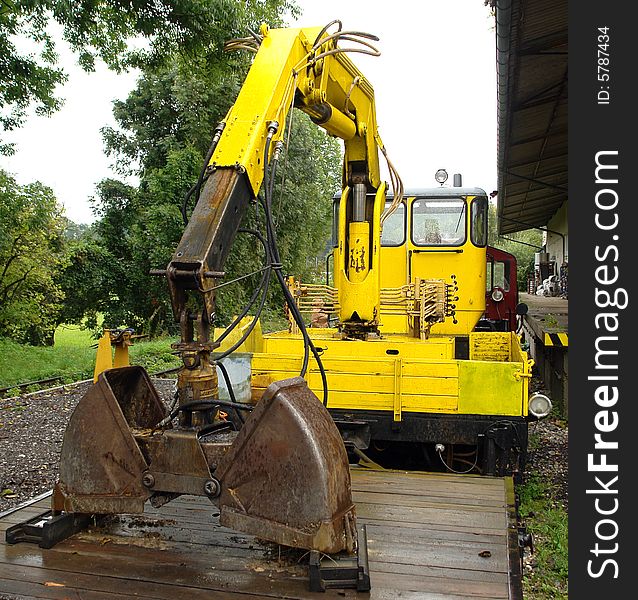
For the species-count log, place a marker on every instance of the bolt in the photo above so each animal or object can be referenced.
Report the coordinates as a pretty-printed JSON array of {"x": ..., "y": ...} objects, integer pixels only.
[
  {"x": 212, "y": 488},
  {"x": 148, "y": 480}
]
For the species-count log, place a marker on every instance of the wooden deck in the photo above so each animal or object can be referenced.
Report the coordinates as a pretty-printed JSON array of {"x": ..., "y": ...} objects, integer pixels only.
[{"x": 430, "y": 536}]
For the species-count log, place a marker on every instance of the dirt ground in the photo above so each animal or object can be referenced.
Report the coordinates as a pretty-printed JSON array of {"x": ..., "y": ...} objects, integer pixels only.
[
  {"x": 32, "y": 427},
  {"x": 548, "y": 458}
]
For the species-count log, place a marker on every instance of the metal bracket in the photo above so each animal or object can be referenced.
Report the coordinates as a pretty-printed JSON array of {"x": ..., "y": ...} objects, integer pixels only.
[
  {"x": 48, "y": 528},
  {"x": 341, "y": 571}
]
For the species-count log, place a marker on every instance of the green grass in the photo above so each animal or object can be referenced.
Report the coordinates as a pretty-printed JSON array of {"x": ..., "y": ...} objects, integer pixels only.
[
  {"x": 155, "y": 355},
  {"x": 546, "y": 519},
  {"x": 72, "y": 358}
]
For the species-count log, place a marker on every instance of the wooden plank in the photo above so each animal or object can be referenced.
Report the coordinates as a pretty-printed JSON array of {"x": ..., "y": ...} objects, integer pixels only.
[
  {"x": 464, "y": 518},
  {"x": 432, "y": 495},
  {"x": 388, "y": 532},
  {"x": 444, "y": 586},
  {"x": 437, "y": 480},
  {"x": 415, "y": 485},
  {"x": 431, "y": 488},
  {"x": 428, "y": 502},
  {"x": 130, "y": 567},
  {"x": 443, "y": 555},
  {"x": 438, "y": 572},
  {"x": 20, "y": 579},
  {"x": 472, "y": 532}
]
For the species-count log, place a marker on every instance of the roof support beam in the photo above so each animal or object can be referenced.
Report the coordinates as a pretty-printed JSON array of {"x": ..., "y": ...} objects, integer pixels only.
[
  {"x": 544, "y": 42},
  {"x": 538, "y": 138},
  {"x": 538, "y": 181}
]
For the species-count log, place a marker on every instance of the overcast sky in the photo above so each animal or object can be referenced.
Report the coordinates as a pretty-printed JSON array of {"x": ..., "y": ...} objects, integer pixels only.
[{"x": 435, "y": 86}]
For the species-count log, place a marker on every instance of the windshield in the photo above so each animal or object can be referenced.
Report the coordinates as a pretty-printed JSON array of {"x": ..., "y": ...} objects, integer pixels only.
[{"x": 438, "y": 222}]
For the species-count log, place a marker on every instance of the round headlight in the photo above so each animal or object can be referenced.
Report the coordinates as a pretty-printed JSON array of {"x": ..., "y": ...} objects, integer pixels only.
[
  {"x": 441, "y": 176},
  {"x": 497, "y": 294},
  {"x": 539, "y": 405}
]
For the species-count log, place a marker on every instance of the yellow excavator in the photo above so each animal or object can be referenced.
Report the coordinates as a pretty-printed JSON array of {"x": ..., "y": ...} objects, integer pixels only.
[
  {"x": 283, "y": 473},
  {"x": 400, "y": 360}
]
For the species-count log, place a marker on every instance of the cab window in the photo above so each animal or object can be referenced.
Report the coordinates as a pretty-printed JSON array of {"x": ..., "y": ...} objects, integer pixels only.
[
  {"x": 438, "y": 222},
  {"x": 498, "y": 275},
  {"x": 478, "y": 221},
  {"x": 393, "y": 233}
]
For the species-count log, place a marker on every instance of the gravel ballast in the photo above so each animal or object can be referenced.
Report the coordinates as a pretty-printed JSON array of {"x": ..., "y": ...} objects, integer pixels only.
[{"x": 31, "y": 431}]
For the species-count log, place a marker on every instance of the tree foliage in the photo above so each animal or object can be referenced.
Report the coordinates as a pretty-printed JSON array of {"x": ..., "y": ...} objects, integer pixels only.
[
  {"x": 31, "y": 253},
  {"x": 163, "y": 132},
  {"x": 104, "y": 29},
  {"x": 164, "y": 128}
]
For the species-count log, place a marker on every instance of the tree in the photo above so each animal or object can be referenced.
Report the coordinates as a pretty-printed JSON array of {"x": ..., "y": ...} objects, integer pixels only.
[
  {"x": 104, "y": 29},
  {"x": 31, "y": 252},
  {"x": 87, "y": 272}
]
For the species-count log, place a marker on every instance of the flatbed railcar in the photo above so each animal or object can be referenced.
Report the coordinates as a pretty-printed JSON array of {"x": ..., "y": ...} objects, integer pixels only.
[{"x": 434, "y": 536}]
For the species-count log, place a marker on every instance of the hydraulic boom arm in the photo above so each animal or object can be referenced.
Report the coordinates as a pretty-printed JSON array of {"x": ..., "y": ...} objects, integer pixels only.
[{"x": 293, "y": 67}]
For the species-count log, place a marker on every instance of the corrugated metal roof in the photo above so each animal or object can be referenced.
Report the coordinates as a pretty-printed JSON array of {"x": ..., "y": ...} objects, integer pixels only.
[{"x": 531, "y": 38}]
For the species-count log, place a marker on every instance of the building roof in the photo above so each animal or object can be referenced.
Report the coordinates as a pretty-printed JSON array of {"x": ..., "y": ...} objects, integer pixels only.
[{"x": 531, "y": 40}]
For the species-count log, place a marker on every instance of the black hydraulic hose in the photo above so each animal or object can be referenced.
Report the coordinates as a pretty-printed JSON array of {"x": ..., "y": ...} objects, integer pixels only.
[
  {"x": 307, "y": 339},
  {"x": 274, "y": 251},
  {"x": 292, "y": 305},
  {"x": 250, "y": 328},
  {"x": 203, "y": 404},
  {"x": 187, "y": 197},
  {"x": 216, "y": 427},
  {"x": 197, "y": 188},
  {"x": 253, "y": 298}
]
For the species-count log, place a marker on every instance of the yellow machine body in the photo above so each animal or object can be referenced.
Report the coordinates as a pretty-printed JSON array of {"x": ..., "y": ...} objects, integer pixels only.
[
  {"x": 400, "y": 374},
  {"x": 436, "y": 382}
]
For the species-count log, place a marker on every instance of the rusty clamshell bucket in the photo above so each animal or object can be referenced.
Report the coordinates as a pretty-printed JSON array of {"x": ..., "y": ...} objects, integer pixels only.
[
  {"x": 101, "y": 464},
  {"x": 286, "y": 476},
  {"x": 283, "y": 478}
]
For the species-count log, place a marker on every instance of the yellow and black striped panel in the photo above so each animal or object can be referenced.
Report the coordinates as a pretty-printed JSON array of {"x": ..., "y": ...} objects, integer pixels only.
[{"x": 556, "y": 339}]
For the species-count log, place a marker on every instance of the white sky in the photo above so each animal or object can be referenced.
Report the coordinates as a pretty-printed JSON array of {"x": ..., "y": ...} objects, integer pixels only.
[{"x": 435, "y": 86}]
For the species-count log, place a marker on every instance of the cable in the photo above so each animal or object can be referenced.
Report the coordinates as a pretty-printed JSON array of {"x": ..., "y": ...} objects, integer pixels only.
[
  {"x": 325, "y": 29},
  {"x": 271, "y": 238},
  {"x": 203, "y": 404},
  {"x": 215, "y": 428},
  {"x": 440, "y": 453},
  {"x": 197, "y": 188},
  {"x": 509, "y": 424},
  {"x": 253, "y": 298},
  {"x": 250, "y": 328},
  {"x": 366, "y": 461}
]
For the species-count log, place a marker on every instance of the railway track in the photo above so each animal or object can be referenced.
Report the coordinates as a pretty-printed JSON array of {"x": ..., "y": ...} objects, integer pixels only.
[{"x": 40, "y": 383}]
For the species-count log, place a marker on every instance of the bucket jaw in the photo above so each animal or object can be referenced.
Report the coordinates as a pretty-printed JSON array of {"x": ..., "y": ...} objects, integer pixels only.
[
  {"x": 283, "y": 477},
  {"x": 101, "y": 464},
  {"x": 286, "y": 476}
]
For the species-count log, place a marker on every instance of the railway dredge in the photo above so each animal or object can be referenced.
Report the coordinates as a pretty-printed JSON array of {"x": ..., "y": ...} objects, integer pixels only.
[{"x": 225, "y": 499}]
